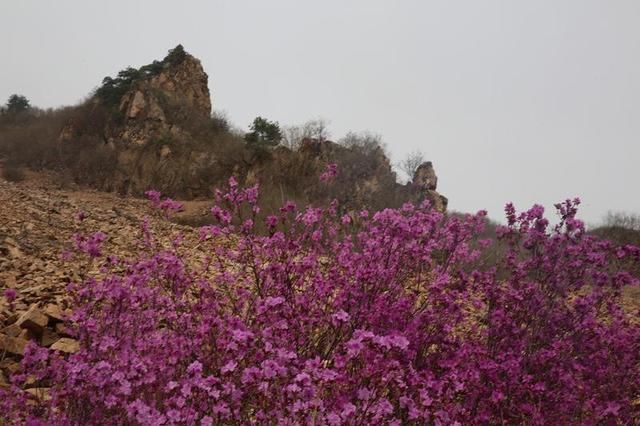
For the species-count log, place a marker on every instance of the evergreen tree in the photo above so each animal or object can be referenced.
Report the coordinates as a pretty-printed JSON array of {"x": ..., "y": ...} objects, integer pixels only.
[
  {"x": 264, "y": 132},
  {"x": 17, "y": 104}
]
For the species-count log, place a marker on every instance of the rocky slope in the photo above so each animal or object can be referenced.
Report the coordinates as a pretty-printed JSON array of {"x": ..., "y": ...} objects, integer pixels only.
[{"x": 37, "y": 225}]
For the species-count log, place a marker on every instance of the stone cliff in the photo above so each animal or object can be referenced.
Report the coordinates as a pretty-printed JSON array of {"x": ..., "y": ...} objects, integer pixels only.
[{"x": 156, "y": 105}]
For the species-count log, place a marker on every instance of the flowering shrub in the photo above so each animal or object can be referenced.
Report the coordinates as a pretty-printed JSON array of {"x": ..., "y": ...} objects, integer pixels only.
[
  {"x": 389, "y": 318},
  {"x": 330, "y": 172},
  {"x": 166, "y": 206}
]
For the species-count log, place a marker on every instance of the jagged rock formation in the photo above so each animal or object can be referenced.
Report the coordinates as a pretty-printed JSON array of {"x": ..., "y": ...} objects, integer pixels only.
[
  {"x": 152, "y": 112},
  {"x": 154, "y": 106},
  {"x": 425, "y": 178},
  {"x": 425, "y": 183}
]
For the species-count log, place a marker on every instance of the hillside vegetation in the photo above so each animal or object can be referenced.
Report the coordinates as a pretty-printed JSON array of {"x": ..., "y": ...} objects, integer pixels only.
[{"x": 153, "y": 127}]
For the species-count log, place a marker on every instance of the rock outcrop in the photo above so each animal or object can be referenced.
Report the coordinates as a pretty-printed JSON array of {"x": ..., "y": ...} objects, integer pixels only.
[
  {"x": 424, "y": 178},
  {"x": 185, "y": 83},
  {"x": 155, "y": 106},
  {"x": 425, "y": 184},
  {"x": 151, "y": 114}
]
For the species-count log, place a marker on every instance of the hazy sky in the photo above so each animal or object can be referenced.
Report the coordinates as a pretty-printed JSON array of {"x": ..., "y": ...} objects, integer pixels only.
[{"x": 523, "y": 101}]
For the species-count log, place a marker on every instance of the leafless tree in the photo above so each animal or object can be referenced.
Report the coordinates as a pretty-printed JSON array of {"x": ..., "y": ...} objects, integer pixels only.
[
  {"x": 292, "y": 136},
  {"x": 412, "y": 161},
  {"x": 623, "y": 220},
  {"x": 313, "y": 129},
  {"x": 317, "y": 129},
  {"x": 363, "y": 141}
]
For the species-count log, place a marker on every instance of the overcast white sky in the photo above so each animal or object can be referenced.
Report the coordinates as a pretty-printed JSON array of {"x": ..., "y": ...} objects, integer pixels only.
[{"x": 523, "y": 101}]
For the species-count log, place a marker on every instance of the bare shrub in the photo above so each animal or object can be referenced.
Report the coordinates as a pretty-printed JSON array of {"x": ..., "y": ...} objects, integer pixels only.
[
  {"x": 12, "y": 173},
  {"x": 292, "y": 136},
  {"x": 623, "y": 220},
  {"x": 411, "y": 162},
  {"x": 34, "y": 143},
  {"x": 363, "y": 141},
  {"x": 92, "y": 163}
]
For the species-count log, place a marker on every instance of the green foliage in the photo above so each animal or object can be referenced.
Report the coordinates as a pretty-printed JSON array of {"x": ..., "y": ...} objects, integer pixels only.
[
  {"x": 264, "y": 133},
  {"x": 175, "y": 55},
  {"x": 112, "y": 89},
  {"x": 154, "y": 68},
  {"x": 17, "y": 104}
]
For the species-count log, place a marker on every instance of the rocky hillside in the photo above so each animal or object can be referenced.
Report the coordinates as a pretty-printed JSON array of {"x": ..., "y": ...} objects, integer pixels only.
[
  {"x": 152, "y": 127},
  {"x": 37, "y": 226}
]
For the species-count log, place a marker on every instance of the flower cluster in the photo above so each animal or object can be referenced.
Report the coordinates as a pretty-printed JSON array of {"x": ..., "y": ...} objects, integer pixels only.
[
  {"x": 10, "y": 295},
  {"x": 167, "y": 206},
  {"x": 91, "y": 244},
  {"x": 329, "y": 173},
  {"x": 398, "y": 319}
]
